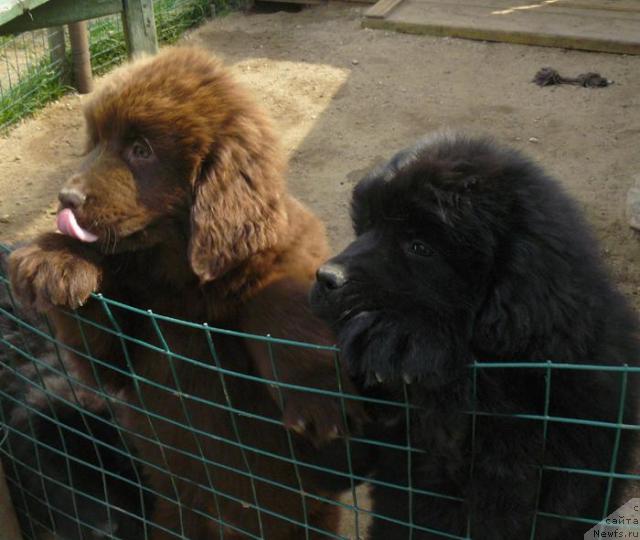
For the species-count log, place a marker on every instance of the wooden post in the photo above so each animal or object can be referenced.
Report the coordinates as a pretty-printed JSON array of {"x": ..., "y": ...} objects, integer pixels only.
[
  {"x": 57, "y": 52},
  {"x": 140, "y": 27},
  {"x": 9, "y": 529},
  {"x": 79, "y": 36}
]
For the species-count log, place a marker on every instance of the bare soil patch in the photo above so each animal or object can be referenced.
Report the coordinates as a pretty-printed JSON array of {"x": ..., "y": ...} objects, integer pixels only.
[{"x": 346, "y": 98}]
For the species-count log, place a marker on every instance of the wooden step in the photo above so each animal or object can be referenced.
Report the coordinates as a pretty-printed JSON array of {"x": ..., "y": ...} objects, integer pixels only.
[
  {"x": 382, "y": 8},
  {"x": 596, "y": 25}
]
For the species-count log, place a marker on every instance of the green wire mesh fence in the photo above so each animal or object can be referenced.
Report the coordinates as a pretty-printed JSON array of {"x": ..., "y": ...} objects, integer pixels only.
[
  {"x": 75, "y": 470},
  {"x": 33, "y": 64}
]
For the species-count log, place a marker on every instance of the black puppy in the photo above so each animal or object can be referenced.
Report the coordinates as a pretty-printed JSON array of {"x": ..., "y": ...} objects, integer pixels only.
[
  {"x": 68, "y": 471},
  {"x": 467, "y": 253},
  {"x": 68, "y": 468}
]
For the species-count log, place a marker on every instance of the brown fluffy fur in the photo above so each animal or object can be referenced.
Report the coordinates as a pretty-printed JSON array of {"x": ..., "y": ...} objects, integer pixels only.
[{"x": 201, "y": 229}]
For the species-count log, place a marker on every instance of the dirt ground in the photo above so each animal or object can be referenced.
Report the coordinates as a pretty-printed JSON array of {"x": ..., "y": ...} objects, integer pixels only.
[{"x": 346, "y": 98}]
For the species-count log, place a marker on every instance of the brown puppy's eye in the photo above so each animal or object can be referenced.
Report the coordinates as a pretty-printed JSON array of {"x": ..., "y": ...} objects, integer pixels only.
[
  {"x": 141, "y": 149},
  {"x": 421, "y": 249}
]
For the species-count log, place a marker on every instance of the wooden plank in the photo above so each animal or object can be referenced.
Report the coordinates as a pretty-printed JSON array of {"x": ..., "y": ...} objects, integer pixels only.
[
  {"x": 140, "y": 27},
  {"x": 613, "y": 5},
  {"x": 507, "y": 7},
  {"x": 382, "y": 9},
  {"x": 309, "y": 2},
  {"x": 588, "y": 29},
  {"x": 10, "y": 9},
  {"x": 79, "y": 37},
  {"x": 521, "y": 38},
  {"x": 60, "y": 12}
]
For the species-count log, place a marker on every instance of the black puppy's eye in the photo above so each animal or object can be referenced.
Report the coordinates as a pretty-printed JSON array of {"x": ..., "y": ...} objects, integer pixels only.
[
  {"x": 141, "y": 149},
  {"x": 421, "y": 249}
]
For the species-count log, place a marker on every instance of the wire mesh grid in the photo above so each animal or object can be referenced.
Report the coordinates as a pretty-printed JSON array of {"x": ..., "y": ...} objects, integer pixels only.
[
  {"x": 34, "y": 65},
  {"x": 73, "y": 450}
]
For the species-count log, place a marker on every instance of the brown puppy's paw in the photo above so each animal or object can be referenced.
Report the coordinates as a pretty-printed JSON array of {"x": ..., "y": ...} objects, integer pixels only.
[
  {"x": 53, "y": 271},
  {"x": 320, "y": 418}
]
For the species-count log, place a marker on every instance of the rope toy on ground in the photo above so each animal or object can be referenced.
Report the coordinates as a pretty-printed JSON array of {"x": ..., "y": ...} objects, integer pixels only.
[{"x": 549, "y": 77}]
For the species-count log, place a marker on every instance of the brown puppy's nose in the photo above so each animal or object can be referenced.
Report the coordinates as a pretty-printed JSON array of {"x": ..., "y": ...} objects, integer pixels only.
[
  {"x": 332, "y": 275},
  {"x": 71, "y": 197}
]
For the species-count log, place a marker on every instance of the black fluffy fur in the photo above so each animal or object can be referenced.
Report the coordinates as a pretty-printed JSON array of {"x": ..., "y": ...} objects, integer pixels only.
[
  {"x": 467, "y": 251},
  {"x": 57, "y": 440}
]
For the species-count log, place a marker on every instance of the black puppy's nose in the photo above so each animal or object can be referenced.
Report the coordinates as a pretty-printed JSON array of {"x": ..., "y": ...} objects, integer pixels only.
[
  {"x": 71, "y": 197},
  {"x": 332, "y": 275}
]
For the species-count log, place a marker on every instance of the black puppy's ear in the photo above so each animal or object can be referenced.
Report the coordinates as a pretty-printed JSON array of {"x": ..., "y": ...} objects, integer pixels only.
[{"x": 532, "y": 304}]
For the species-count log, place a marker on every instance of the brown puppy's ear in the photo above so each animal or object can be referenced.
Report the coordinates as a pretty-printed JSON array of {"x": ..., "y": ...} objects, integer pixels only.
[{"x": 237, "y": 210}]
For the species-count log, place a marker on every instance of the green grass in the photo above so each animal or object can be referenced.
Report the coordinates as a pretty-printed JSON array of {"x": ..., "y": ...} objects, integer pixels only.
[
  {"x": 41, "y": 83},
  {"x": 172, "y": 20}
]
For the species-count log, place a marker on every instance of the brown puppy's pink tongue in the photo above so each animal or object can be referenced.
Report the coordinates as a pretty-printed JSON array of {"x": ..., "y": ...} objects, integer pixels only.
[{"x": 67, "y": 224}]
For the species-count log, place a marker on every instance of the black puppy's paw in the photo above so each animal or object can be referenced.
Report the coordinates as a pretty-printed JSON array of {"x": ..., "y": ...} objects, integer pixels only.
[
  {"x": 384, "y": 349},
  {"x": 373, "y": 348}
]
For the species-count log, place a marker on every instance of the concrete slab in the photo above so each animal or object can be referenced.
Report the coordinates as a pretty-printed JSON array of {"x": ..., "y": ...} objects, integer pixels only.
[{"x": 596, "y": 25}]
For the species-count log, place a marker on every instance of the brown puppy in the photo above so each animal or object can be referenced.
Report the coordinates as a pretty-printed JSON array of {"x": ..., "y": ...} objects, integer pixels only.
[{"x": 180, "y": 208}]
